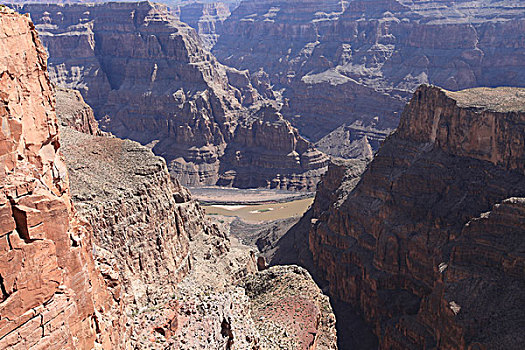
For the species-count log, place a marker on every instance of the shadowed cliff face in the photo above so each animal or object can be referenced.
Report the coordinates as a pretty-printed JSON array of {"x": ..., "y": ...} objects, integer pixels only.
[
  {"x": 342, "y": 62},
  {"x": 52, "y": 293},
  {"x": 148, "y": 78},
  {"x": 428, "y": 244}
]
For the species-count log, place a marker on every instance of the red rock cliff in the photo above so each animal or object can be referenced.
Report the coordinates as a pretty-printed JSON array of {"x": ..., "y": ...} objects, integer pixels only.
[
  {"x": 429, "y": 243},
  {"x": 52, "y": 296}
]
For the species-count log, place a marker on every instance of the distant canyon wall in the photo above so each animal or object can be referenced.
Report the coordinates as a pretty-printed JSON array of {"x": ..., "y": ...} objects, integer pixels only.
[
  {"x": 149, "y": 79},
  {"x": 358, "y": 62}
]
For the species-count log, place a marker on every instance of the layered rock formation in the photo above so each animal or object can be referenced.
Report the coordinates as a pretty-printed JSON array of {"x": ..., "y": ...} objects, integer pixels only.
[
  {"x": 289, "y": 310},
  {"x": 60, "y": 291},
  {"x": 267, "y": 151},
  {"x": 148, "y": 78},
  {"x": 138, "y": 215},
  {"x": 428, "y": 244},
  {"x": 352, "y": 141},
  {"x": 53, "y": 296},
  {"x": 74, "y": 113},
  {"x": 205, "y": 18},
  {"x": 341, "y": 62},
  {"x": 149, "y": 232}
]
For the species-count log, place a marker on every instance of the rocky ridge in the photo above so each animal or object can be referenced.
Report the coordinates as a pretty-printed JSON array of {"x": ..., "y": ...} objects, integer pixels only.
[
  {"x": 150, "y": 232},
  {"x": 53, "y": 294},
  {"x": 149, "y": 79},
  {"x": 75, "y": 113},
  {"x": 428, "y": 242}
]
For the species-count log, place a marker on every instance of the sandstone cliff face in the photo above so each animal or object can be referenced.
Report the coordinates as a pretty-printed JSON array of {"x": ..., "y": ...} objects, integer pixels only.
[
  {"x": 428, "y": 244},
  {"x": 137, "y": 214},
  {"x": 341, "y": 62},
  {"x": 149, "y": 79},
  {"x": 53, "y": 296}
]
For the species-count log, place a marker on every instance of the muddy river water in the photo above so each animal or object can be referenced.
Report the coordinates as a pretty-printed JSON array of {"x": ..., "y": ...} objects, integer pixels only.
[{"x": 261, "y": 212}]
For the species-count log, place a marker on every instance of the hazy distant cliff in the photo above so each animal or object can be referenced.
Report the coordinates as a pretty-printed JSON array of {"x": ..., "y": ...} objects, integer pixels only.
[{"x": 342, "y": 62}]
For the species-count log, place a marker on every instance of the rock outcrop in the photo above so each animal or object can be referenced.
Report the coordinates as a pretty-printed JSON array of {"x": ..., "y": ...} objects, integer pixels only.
[
  {"x": 53, "y": 295},
  {"x": 149, "y": 79},
  {"x": 345, "y": 61},
  {"x": 74, "y": 113},
  {"x": 289, "y": 310},
  {"x": 138, "y": 215},
  {"x": 428, "y": 243}
]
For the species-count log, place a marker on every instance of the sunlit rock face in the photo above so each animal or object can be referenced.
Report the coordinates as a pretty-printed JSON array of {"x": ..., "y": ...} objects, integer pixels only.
[
  {"x": 426, "y": 243},
  {"x": 205, "y": 18},
  {"x": 51, "y": 289},
  {"x": 148, "y": 78}
]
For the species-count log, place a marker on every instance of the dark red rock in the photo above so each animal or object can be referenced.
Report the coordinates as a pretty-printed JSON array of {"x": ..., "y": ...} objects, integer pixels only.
[{"x": 427, "y": 244}]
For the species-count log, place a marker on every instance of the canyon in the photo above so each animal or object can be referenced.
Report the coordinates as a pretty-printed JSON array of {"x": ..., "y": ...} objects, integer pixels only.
[
  {"x": 100, "y": 249},
  {"x": 354, "y": 64},
  {"x": 414, "y": 239},
  {"x": 148, "y": 78}
]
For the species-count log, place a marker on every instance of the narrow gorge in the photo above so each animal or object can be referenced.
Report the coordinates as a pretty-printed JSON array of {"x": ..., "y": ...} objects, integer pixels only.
[
  {"x": 104, "y": 251},
  {"x": 262, "y": 174}
]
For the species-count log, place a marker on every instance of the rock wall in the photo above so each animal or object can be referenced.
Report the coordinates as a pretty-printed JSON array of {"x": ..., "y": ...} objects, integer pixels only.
[
  {"x": 149, "y": 79},
  {"x": 427, "y": 243},
  {"x": 74, "y": 113},
  {"x": 138, "y": 215},
  {"x": 205, "y": 18},
  {"x": 149, "y": 232},
  {"x": 114, "y": 282},
  {"x": 267, "y": 151},
  {"x": 340, "y": 62},
  {"x": 53, "y": 295}
]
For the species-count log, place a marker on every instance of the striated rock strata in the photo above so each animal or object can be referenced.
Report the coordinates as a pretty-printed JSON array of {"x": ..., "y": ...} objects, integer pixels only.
[
  {"x": 73, "y": 112},
  {"x": 149, "y": 79},
  {"x": 138, "y": 215},
  {"x": 149, "y": 232},
  {"x": 428, "y": 244},
  {"x": 52, "y": 294},
  {"x": 205, "y": 18},
  {"x": 339, "y": 62},
  {"x": 267, "y": 151}
]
